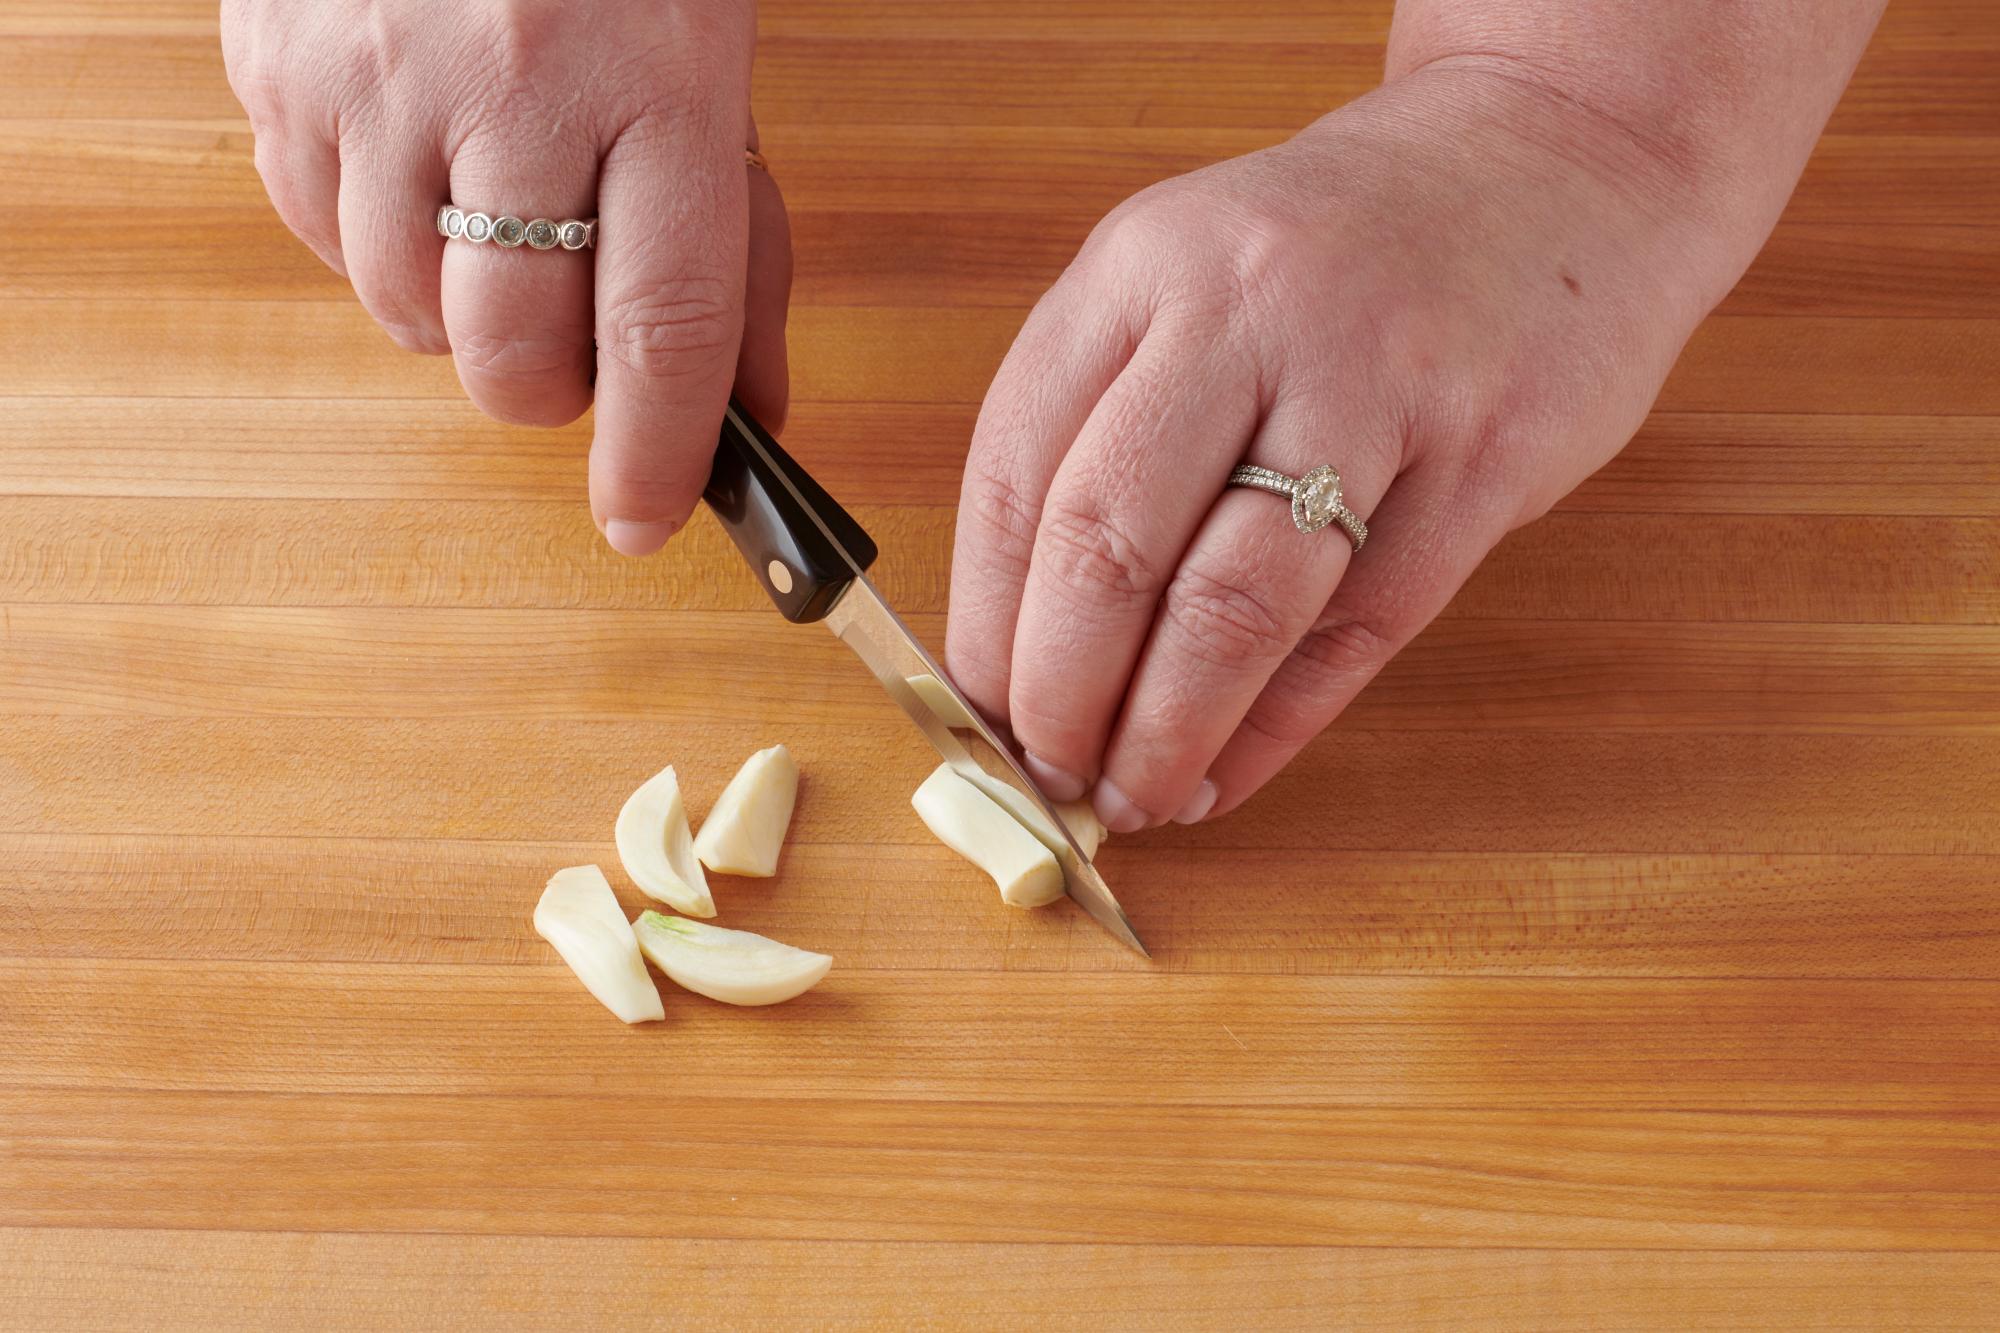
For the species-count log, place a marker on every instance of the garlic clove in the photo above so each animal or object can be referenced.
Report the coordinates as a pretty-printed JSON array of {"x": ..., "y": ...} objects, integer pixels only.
[
  {"x": 983, "y": 831},
  {"x": 733, "y": 966},
  {"x": 580, "y": 916},
  {"x": 1078, "y": 815},
  {"x": 1084, "y": 825},
  {"x": 745, "y": 831},
  {"x": 657, "y": 849}
]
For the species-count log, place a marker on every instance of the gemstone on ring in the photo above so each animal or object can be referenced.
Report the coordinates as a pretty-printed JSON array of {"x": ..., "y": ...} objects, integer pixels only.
[
  {"x": 510, "y": 231},
  {"x": 478, "y": 228},
  {"x": 454, "y": 222},
  {"x": 1316, "y": 499},
  {"x": 543, "y": 234},
  {"x": 575, "y": 235}
]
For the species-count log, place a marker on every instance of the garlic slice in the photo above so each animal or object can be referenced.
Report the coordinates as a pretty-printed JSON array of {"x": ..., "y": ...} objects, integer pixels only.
[
  {"x": 733, "y": 966},
  {"x": 658, "y": 851},
  {"x": 981, "y": 830},
  {"x": 745, "y": 830},
  {"x": 1078, "y": 815},
  {"x": 580, "y": 915}
]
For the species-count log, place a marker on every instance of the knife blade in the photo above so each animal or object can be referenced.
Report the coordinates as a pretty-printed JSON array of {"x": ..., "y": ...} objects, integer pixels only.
[{"x": 812, "y": 559}]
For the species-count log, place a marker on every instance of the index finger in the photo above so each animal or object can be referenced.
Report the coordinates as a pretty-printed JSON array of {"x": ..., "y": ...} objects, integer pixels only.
[{"x": 673, "y": 234}]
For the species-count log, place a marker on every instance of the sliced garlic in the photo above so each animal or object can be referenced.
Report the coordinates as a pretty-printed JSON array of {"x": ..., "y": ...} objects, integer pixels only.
[
  {"x": 743, "y": 833},
  {"x": 981, "y": 830},
  {"x": 580, "y": 915},
  {"x": 1078, "y": 815},
  {"x": 657, "y": 849},
  {"x": 733, "y": 966}
]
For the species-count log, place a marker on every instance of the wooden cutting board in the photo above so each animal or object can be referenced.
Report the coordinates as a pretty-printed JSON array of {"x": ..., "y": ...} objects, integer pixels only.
[{"x": 1637, "y": 962}]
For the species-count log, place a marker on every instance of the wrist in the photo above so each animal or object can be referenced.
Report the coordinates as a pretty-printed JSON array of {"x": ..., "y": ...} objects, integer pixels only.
[{"x": 1653, "y": 199}]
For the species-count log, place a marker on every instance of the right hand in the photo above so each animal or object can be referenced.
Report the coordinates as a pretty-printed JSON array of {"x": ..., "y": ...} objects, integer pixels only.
[{"x": 371, "y": 114}]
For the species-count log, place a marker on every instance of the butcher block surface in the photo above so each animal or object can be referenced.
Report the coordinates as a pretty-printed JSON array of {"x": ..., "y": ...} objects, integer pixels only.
[{"x": 1628, "y": 956}]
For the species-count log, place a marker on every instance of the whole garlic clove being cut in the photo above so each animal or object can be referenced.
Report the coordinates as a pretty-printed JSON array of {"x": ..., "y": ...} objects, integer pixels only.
[
  {"x": 580, "y": 915},
  {"x": 744, "y": 832},
  {"x": 733, "y": 966},
  {"x": 983, "y": 831},
  {"x": 657, "y": 849},
  {"x": 1078, "y": 815},
  {"x": 1084, "y": 825}
]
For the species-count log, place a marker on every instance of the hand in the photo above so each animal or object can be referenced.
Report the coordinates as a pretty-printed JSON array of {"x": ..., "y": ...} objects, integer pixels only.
[
  {"x": 371, "y": 114},
  {"x": 1461, "y": 291}
]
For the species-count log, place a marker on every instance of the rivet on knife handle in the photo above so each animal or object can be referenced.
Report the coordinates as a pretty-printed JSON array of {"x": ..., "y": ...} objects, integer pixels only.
[{"x": 800, "y": 569}]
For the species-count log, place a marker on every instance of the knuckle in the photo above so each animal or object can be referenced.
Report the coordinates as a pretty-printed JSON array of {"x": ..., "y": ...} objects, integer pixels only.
[
  {"x": 1497, "y": 461},
  {"x": 520, "y": 41},
  {"x": 684, "y": 82},
  {"x": 1003, "y": 513},
  {"x": 1081, "y": 550},
  {"x": 294, "y": 198},
  {"x": 646, "y": 482},
  {"x": 1136, "y": 226},
  {"x": 519, "y": 355},
  {"x": 413, "y": 334},
  {"x": 1225, "y": 620},
  {"x": 1336, "y": 658},
  {"x": 1266, "y": 255},
  {"x": 1286, "y": 722},
  {"x": 688, "y": 328},
  {"x": 280, "y": 181},
  {"x": 253, "y": 81},
  {"x": 638, "y": 484},
  {"x": 1327, "y": 668},
  {"x": 1042, "y": 723}
]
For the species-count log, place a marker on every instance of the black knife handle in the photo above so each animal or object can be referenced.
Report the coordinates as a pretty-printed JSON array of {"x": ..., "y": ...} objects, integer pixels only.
[{"x": 767, "y": 502}]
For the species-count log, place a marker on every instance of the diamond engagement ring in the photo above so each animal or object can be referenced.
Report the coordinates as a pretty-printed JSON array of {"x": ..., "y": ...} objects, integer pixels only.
[{"x": 1315, "y": 498}]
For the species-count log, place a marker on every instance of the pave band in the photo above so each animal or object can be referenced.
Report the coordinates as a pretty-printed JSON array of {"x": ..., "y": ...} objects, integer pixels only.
[
  {"x": 510, "y": 232},
  {"x": 1315, "y": 498}
]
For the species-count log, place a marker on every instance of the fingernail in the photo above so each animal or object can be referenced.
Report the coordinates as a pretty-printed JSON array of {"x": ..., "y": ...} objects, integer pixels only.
[
  {"x": 1198, "y": 804},
  {"x": 1058, "y": 784},
  {"x": 629, "y": 538},
  {"x": 1116, "y": 810}
]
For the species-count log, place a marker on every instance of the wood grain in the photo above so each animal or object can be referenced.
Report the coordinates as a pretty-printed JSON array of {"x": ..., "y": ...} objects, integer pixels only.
[
  {"x": 1834, "y": 1045},
  {"x": 1629, "y": 955},
  {"x": 1209, "y": 911},
  {"x": 754, "y": 1167},
  {"x": 1473, "y": 675},
  {"x": 246, "y": 1279}
]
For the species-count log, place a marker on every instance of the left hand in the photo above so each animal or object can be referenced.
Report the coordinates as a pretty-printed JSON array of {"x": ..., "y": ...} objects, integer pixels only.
[{"x": 1462, "y": 293}]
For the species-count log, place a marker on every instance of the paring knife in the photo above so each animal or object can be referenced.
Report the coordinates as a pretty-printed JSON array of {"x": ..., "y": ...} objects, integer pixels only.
[{"x": 812, "y": 558}]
